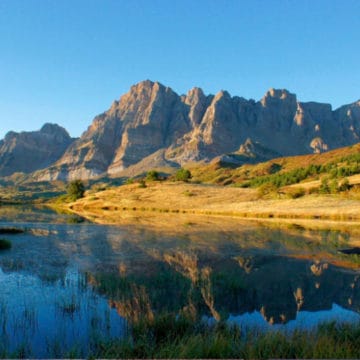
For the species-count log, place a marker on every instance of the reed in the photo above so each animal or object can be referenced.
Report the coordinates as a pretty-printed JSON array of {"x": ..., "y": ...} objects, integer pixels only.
[{"x": 174, "y": 337}]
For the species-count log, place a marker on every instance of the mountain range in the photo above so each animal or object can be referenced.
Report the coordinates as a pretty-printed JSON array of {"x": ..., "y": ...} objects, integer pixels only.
[{"x": 152, "y": 126}]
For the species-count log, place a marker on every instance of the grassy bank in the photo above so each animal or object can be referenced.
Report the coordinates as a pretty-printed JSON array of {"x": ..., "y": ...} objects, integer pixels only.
[
  {"x": 109, "y": 206},
  {"x": 167, "y": 337}
]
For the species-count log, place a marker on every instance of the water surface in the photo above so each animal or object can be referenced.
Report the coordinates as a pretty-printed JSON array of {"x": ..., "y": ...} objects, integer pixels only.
[{"x": 75, "y": 283}]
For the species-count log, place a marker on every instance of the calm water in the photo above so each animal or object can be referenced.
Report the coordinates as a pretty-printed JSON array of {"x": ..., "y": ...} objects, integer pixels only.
[{"x": 77, "y": 283}]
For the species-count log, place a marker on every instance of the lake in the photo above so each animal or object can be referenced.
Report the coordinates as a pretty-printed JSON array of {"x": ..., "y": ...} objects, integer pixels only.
[{"x": 68, "y": 284}]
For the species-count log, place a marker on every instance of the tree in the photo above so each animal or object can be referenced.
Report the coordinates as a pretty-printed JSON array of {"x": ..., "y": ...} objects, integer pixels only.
[
  {"x": 76, "y": 190},
  {"x": 183, "y": 175}
]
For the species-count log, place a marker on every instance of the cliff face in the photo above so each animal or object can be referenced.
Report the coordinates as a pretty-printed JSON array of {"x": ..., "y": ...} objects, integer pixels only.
[
  {"x": 195, "y": 127},
  {"x": 30, "y": 151}
]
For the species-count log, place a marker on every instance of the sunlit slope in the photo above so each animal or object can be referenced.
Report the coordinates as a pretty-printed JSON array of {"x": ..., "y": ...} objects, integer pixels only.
[{"x": 343, "y": 162}]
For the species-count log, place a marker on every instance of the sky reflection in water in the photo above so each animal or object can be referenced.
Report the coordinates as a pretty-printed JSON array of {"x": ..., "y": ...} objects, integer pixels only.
[{"x": 74, "y": 284}]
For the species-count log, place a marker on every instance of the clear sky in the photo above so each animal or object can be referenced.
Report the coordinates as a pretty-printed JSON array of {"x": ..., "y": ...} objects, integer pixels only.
[{"x": 65, "y": 61}]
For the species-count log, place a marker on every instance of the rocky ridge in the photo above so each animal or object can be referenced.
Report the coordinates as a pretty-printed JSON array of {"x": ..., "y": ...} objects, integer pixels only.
[{"x": 152, "y": 122}]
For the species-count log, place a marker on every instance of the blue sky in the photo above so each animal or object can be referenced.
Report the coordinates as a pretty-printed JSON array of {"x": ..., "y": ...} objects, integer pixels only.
[{"x": 65, "y": 61}]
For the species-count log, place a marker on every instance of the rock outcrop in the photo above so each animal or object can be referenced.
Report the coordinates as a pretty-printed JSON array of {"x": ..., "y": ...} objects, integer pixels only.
[
  {"x": 29, "y": 151},
  {"x": 152, "y": 119}
]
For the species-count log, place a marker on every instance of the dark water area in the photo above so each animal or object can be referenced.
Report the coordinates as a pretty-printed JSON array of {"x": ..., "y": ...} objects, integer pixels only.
[{"x": 67, "y": 284}]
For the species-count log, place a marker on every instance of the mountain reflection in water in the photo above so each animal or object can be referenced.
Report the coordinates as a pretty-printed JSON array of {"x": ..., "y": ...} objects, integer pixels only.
[{"x": 81, "y": 282}]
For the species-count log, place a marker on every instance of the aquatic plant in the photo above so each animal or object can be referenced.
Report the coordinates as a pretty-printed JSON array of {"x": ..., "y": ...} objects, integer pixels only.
[
  {"x": 5, "y": 244},
  {"x": 68, "y": 306}
]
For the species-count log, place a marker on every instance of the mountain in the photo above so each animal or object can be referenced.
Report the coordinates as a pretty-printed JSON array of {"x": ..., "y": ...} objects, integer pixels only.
[
  {"x": 29, "y": 151},
  {"x": 152, "y": 122}
]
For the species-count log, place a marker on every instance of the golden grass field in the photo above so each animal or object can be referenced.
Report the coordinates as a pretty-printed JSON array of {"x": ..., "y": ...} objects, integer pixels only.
[{"x": 193, "y": 199}]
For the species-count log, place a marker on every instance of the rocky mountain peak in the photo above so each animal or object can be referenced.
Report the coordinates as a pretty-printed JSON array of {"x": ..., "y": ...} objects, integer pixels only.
[
  {"x": 194, "y": 94},
  {"x": 274, "y": 96},
  {"x": 49, "y": 128},
  {"x": 10, "y": 135},
  {"x": 222, "y": 94},
  {"x": 32, "y": 150},
  {"x": 145, "y": 88},
  {"x": 56, "y": 132},
  {"x": 197, "y": 102}
]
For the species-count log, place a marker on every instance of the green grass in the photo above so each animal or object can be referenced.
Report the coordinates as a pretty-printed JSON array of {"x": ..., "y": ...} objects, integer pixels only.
[
  {"x": 178, "y": 337},
  {"x": 5, "y": 244}
]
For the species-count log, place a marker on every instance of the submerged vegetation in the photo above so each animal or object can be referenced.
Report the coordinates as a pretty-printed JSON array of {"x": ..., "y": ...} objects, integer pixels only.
[{"x": 5, "y": 244}]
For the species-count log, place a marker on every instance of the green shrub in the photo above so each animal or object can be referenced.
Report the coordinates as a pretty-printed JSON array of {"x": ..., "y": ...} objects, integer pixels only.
[
  {"x": 183, "y": 175},
  {"x": 266, "y": 189},
  {"x": 324, "y": 187},
  {"x": 152, "y": 175},
  {"x": 344, "y": 185},
  {"x": 142, "y": 184},
  {"x": 295, "y": 193},
  {"x": 75, "y": 190},
  {"x": 129, "y": 181},
  {"x": 5, "y": 244},
  {"x": 333, "y": 186}
]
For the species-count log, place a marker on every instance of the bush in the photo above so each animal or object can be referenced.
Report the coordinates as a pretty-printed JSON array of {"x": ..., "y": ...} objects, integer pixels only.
[
  {"x": 183, "y": 175},
  {"x": 75, "y": 190},
  {"x": 324, "y": 187},
  {"x": 5, "y": 244},
  {"x": 142, "y": 184},
  {"x": 295, "y": 193},
  {"x": 266, "y": 189},
  {"x": 152, "y": 175},
  {"x": 344, "y": 185}
]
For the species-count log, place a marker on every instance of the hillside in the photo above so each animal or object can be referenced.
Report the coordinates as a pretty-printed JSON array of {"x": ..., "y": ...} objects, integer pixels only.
[{"x": 335, "y": 164}]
